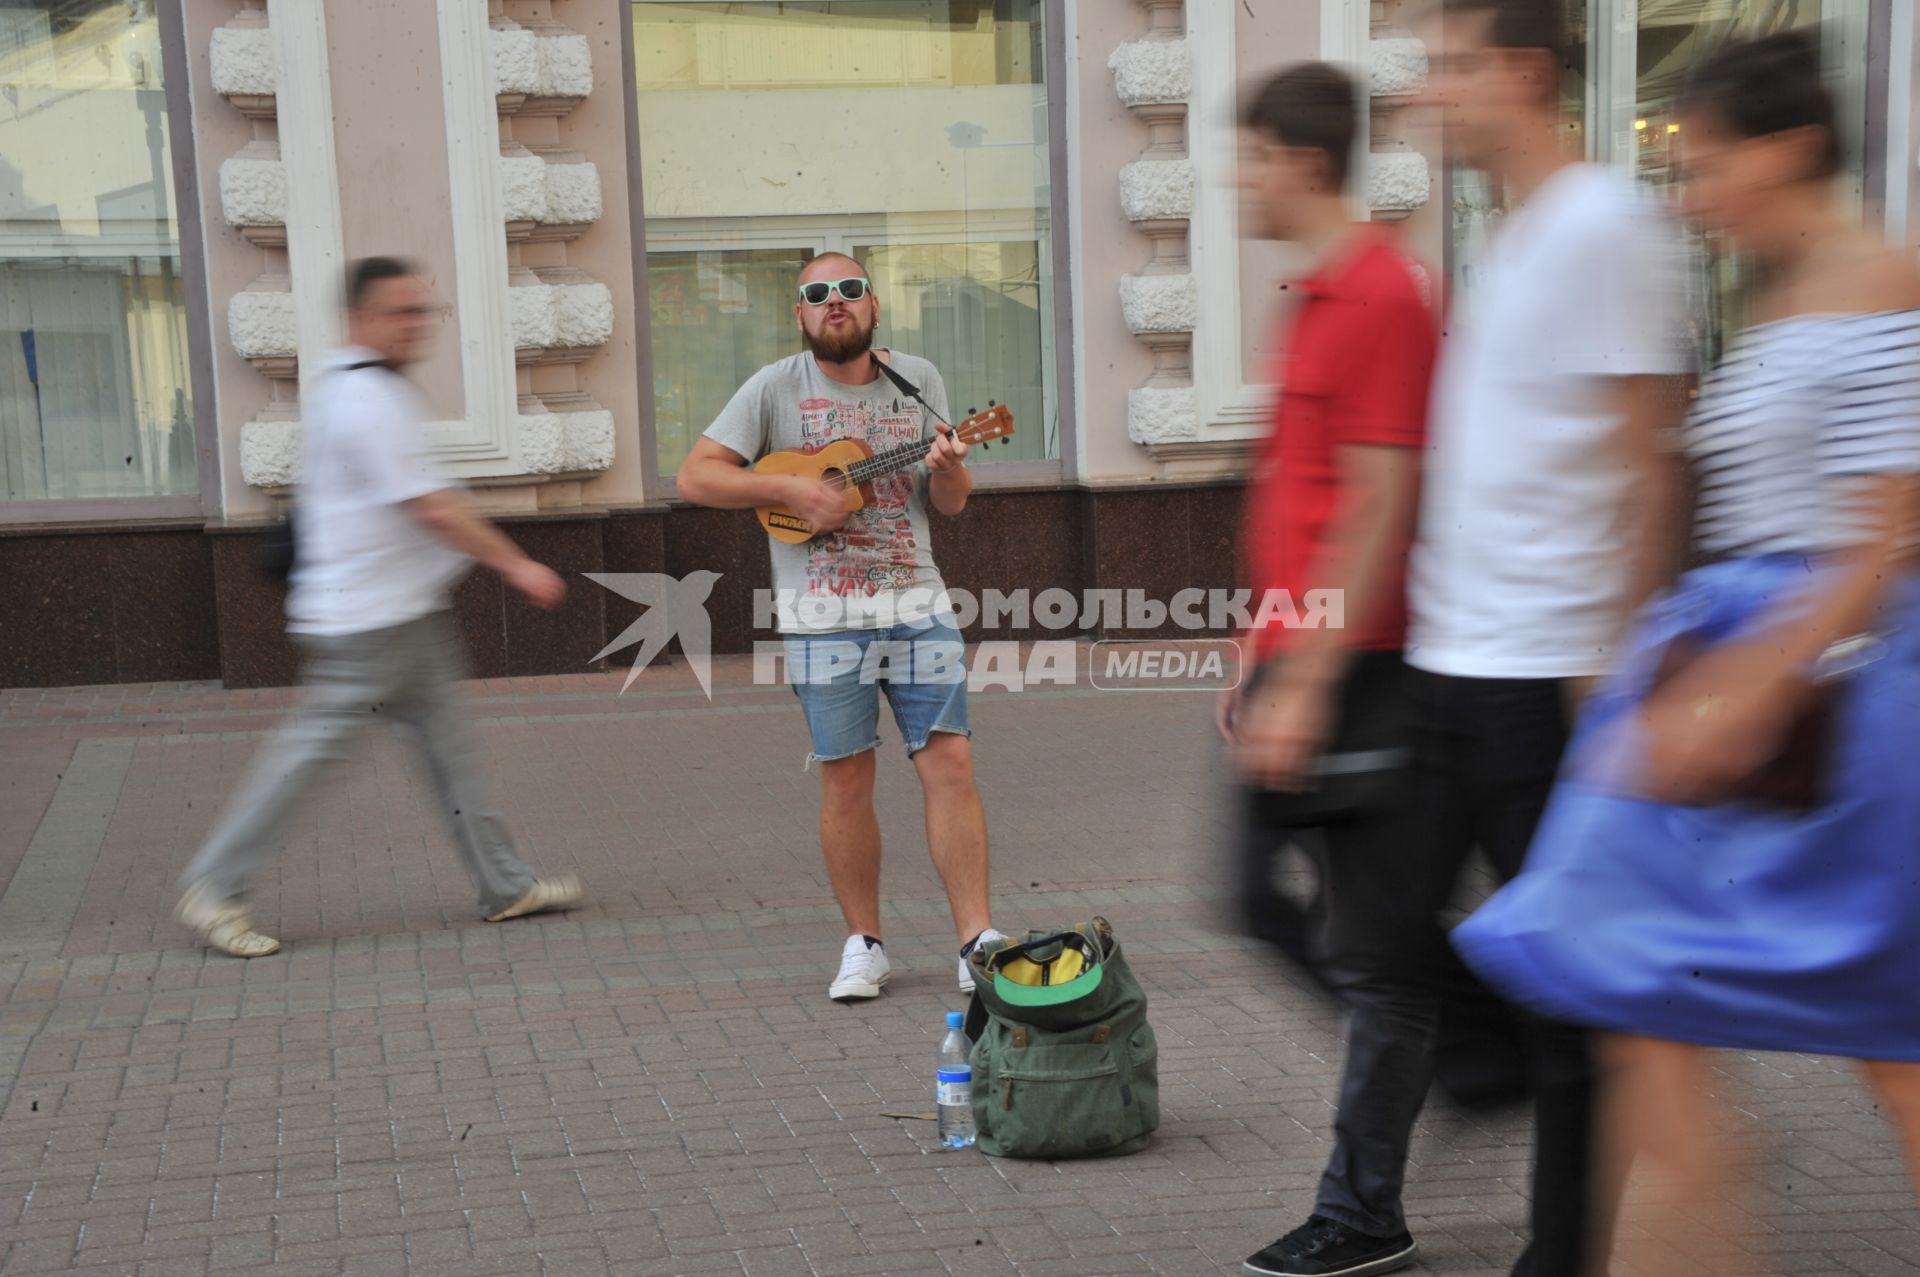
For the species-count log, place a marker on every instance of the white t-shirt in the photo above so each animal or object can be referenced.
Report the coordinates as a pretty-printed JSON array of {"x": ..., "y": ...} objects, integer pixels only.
[
  {"x": 1521, "y": 565},
  {"x": 361, "y": 561}
]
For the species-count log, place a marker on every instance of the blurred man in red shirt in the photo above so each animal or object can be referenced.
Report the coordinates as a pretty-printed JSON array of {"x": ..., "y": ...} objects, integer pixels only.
[{"x": 1318, "y": 730}]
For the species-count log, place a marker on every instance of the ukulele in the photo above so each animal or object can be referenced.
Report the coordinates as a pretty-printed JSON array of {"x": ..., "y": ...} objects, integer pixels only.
[{"x": 853, "y": 466}]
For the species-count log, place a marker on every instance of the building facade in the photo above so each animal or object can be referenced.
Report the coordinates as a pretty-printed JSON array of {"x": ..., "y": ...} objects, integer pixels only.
[{"x": 612, "y": 198}]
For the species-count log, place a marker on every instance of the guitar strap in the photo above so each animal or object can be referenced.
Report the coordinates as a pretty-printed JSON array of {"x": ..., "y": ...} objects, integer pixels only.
[{"x": 908, "y": 389}]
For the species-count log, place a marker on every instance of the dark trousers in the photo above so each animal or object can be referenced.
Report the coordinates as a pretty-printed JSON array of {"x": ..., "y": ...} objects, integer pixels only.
[{"x": 1484, "y": 755}]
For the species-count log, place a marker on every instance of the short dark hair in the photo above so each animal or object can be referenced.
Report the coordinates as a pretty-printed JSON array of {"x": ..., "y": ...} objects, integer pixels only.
[
  {"x": 1765, "y": 86},
  {"x": 1314, "y": 106},
  {"x": 368, "y": 271},
  {"x": 1520, "y": 24}
]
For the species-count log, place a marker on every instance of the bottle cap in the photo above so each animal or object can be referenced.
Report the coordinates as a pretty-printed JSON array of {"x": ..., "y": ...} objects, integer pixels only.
[{"x": 956, "y": 1019}]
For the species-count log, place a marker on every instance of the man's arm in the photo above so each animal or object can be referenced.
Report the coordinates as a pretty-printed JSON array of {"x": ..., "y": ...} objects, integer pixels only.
[
  {"x": 949, "y": 482},
  {"x": 1377, "y": 424},
  {"x": 715, "y": 475},
  {"x": 400, "y": 470},
  {"x": 1289, "y": 718},
  {"x": 1368, "y": 534},
  {"x": 450, "y": 515},
  {"x": 1658, "y": 509}
]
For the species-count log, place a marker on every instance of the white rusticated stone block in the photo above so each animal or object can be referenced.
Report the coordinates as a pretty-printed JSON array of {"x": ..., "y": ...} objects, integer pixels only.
[
  {"x": 516, "y": 60},
  {"x": 263, "y": 325},
  {"x": 566, "y": 66},
  {"x": 1395, "y": 66},
  {"x": 253, "y": 192},
  {"x": 589, "y": 439},
  {"x": 573, "y": 194},
  {"x": 270, "y": 453},
  {"x": 1150, "y": 71},
  {"x": 241, "y": 60},
  {"x": 530, "y": 311},
  {"x": 1156, "y": 415},
  {"x": 1156, "y": 188},
  {"x": 1398, "y": 180},
  {"x": 523, "y": 187},
  {"x": 1159, "y": 303},
  {"x": 543, "y": 442},
  {"x": 583, "y": 314}
]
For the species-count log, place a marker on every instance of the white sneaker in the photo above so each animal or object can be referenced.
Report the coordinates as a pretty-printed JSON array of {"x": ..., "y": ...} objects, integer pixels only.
[
  {"x": 966, "y": 971},
  {"x": 864, "y": 971}
]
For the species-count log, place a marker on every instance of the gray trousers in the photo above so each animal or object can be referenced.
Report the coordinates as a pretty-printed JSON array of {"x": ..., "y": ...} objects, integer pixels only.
[{"x": 408, "y": 675}]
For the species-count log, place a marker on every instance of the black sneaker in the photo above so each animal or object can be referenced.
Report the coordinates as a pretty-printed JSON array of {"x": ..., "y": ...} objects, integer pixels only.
[{"x": 1324, "y": 1247}]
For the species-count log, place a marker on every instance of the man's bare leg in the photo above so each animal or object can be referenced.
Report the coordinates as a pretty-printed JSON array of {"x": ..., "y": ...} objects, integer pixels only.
[
  {"x": 850, "y": 840},
  {"x": 956, "y": 828}
]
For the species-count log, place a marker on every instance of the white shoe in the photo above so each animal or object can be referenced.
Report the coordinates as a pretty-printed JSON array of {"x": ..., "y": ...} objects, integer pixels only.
[
  {"x": 224, "y": 924},
  {"x": 966, "y": 971},
  {"x": 562, "y": 892},
  {"x": 864, "y": 971}
]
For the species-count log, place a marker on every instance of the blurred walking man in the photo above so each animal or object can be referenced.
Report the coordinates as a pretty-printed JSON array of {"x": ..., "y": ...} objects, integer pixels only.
[
  {"x": 1320, "y": 731},
  {"x": 1548, "y": 514},
  {"x": 383, "y": 536}
]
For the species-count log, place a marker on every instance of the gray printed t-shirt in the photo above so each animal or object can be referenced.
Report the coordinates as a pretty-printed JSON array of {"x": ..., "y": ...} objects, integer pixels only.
[{"x": 878, "y": 569}]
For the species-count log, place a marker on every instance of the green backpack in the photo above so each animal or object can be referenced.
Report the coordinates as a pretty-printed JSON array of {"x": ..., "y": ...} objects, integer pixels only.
[{"x": 1064, "y": 1061}]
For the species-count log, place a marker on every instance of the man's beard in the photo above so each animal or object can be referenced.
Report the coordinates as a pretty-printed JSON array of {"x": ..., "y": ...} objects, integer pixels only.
[{"x": 839, "y": 349}]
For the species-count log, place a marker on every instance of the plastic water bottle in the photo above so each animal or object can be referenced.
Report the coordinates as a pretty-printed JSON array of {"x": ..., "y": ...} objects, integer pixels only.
[{"x": 953, "y": 1088}]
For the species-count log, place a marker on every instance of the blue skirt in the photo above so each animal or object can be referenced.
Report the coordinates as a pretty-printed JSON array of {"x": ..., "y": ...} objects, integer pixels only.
[{"x": 1738, "y": 925}]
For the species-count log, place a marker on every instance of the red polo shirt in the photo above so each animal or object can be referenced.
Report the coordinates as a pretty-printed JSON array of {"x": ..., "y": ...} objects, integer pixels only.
[{"x": 1353, "y": 364}]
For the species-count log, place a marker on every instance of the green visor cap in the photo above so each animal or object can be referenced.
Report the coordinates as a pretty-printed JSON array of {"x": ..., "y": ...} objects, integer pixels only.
[{"x": 1043, "y": 973}]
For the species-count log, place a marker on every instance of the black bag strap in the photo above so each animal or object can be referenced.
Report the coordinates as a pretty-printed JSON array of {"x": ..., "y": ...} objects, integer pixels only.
[{"x": 907, "y": 388}]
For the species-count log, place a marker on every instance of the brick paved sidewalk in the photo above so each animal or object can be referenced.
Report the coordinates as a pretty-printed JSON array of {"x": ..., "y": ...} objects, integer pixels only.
[{"x": 656, "y": 1084}]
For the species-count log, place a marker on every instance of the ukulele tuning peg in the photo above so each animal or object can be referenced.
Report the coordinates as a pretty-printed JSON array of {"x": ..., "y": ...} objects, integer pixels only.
[
  {"x": 992, "y": 404},
  {"x": 971, "y": 412}
]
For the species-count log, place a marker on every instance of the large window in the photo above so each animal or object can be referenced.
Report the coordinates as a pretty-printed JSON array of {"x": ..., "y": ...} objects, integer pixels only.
[
  {"x": 1633, "y": 59},
  {"x": 912, "y": 134},
  {"x": 94, "y": 400}
]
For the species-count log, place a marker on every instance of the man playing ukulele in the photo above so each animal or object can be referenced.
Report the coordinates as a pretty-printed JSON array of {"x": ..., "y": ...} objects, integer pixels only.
[{"x": 861, "y": 605}]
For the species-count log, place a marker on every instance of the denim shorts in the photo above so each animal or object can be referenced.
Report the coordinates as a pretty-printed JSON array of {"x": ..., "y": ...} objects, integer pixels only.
[{"x": 921, "y": 666}]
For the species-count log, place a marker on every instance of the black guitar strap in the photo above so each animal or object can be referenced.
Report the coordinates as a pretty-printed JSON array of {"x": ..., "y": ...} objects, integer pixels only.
[{"x": 908, "y": 389}]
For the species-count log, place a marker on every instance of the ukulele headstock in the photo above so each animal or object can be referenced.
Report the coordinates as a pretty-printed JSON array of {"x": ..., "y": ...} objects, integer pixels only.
[{"x": 984, "y": 427}]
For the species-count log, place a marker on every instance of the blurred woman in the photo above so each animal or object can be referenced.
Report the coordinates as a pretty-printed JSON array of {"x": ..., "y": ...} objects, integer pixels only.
[{"x": 1732, "y": 856}]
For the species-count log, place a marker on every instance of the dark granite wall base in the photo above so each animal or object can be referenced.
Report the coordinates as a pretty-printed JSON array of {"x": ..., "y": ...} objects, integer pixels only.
[
  {"x": 123, "y": 605},
  {"x": 252, "y": 615},
  {"x": 109, "y": 606}
]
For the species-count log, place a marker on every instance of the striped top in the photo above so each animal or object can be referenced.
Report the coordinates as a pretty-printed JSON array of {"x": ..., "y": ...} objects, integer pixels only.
[{"x": 1794, "y": 415}]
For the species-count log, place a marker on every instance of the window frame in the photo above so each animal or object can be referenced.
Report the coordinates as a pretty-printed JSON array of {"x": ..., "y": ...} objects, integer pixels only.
[
  {"x": 204, "y": 504},
  {"x": 997, "y": 475}
]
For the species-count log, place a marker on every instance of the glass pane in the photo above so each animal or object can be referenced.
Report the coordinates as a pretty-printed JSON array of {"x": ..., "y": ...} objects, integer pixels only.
[
  {"x": 711, "y": 332},
  {"x": 974, "y": 310},
  {"x": 1674, "y": 36},
  {"x": 910, "y": 133},
  {"x": 94, "y": 400},
  {"x": 1667, "y": 42},
  {"x": 1477, "y": 206}
]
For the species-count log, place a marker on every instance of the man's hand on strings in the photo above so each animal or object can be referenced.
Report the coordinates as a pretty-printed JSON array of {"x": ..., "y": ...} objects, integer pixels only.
[{"x": 947, "y": 452}]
